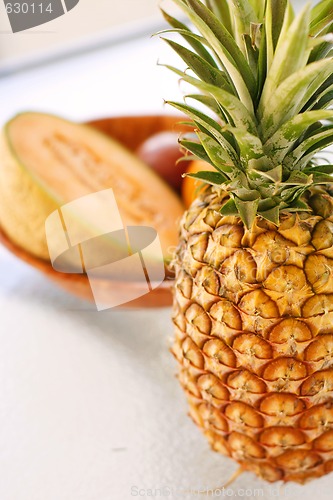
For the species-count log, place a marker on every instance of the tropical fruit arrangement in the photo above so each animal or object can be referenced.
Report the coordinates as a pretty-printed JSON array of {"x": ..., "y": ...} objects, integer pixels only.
[
  {"x": 253, "y": 297},
  {"x": 253, "y": 292}
]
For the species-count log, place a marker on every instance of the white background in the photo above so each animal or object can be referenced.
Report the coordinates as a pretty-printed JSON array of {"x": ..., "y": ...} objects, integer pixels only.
[{"x": 89, "y": 404}]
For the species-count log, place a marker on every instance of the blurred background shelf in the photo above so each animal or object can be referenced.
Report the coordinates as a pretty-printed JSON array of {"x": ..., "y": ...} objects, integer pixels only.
[{"x": 89, "y": 25}]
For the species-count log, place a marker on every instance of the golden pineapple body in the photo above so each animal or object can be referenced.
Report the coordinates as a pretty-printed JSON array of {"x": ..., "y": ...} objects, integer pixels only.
[{"x": 254, "y": 337}]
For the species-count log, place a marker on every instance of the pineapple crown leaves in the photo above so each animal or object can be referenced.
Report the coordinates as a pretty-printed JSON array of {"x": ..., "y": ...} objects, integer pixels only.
[{"x": 263, "y": 101}]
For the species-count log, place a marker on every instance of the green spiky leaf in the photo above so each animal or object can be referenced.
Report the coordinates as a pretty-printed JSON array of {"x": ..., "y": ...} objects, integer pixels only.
[
  {"x": 213, "y": 178},
  {"x": 201, "y": 68},
  {"x": 321, "y": 17},
  {"x": 265, "y": 78}
]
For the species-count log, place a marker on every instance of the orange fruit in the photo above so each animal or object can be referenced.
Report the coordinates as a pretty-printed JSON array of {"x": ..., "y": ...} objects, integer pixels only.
[{"x": 191, "y": 187}]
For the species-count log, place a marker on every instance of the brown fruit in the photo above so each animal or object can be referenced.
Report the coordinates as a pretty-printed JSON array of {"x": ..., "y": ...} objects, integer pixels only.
[{"x": 161, "y": 152}]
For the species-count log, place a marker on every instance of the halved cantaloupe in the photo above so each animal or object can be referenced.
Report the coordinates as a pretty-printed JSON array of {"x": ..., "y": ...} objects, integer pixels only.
[{"x": 46, "y": 162}]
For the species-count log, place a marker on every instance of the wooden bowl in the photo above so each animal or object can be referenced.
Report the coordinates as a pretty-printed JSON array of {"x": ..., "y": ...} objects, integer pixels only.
[{"x": 131, "y": 131}]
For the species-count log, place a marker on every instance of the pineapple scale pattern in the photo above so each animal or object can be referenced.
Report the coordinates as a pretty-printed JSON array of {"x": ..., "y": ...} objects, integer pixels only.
[{"x": 253, "y": 312}]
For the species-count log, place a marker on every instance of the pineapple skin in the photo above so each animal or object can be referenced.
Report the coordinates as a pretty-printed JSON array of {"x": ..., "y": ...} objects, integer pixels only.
[{"x": 253, "y": 315}]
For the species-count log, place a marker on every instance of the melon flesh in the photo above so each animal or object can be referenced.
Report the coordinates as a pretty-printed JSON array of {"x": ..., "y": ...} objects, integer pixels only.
[{"x": 46, "y": 162}]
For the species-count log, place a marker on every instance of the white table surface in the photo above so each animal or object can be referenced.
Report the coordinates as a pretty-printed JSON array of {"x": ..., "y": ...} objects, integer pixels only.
[{"x": 90, "y": 408}]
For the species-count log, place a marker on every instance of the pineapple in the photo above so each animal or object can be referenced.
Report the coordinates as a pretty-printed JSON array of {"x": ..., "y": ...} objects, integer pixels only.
[{"x": 253, "y": 295}]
